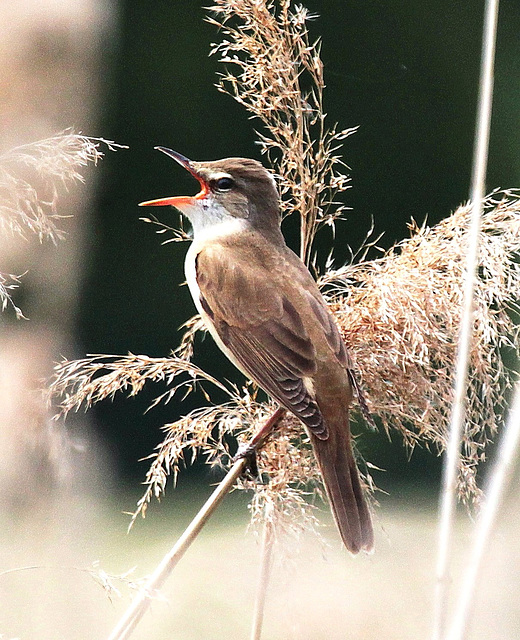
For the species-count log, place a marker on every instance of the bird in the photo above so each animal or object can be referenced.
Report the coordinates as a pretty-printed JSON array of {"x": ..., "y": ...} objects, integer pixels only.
[{"x": 265, "y": 311}]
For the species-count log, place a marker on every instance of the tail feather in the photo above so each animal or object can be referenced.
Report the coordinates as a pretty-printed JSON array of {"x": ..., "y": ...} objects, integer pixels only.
[{"x": 344, "y": 490}]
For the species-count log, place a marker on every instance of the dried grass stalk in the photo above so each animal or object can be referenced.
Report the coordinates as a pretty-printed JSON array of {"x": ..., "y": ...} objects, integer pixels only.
[
  {"x": 31, "y": 177},
  {"x": 452, "y": 458},
  {"x": 286, "y": 459},
  {"x": 400, "y": 316},
  {"x": 141, "y": 603},
  {"x": 263, "y": 578},
  {"x": 275, "y": 72},
  {"x": 8, "y": 283},
  {"x": 55, "y": 162},
  {"x": 97, "y": 377},
  {"x": 499, "y": 480},
  {"x": 477, "y": 197}
]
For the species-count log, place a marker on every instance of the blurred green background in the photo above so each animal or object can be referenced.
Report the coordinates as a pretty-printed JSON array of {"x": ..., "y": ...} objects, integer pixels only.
[{"x": 406, "y": 73}]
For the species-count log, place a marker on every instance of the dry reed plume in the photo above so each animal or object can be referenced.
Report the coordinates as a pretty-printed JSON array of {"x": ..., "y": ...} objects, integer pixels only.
[
  {"x": 31, "y": 177},
  {"x": 400, "y": 316},
  {"x": 276, "y": 73},
  {"x": 399, "y": 313},
  {"x": 8, "y": 283}
]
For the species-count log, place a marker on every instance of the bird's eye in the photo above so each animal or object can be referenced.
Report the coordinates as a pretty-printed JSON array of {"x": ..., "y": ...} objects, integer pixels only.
[{"x": 224, "y": 184}]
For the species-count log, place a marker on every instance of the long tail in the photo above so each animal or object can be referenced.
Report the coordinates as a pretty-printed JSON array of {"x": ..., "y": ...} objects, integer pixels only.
[{"x": 341, "y": 480}]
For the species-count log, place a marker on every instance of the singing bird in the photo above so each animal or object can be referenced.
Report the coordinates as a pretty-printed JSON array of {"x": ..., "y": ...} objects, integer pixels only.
[{"x": 264, "y": 310}]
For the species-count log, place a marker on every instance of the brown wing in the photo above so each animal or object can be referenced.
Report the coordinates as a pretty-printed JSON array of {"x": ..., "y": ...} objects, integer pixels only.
[
  {"x": 262, "y": 329},
  {"x": 330, "y": 329},
  {"x": 336, "y": 343}
]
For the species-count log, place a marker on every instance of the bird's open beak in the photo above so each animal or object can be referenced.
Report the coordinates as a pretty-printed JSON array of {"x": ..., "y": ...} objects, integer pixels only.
[{"x": 178, "y": 201}]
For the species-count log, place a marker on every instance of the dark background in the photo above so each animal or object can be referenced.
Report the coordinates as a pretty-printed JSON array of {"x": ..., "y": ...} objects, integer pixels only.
[{"x": 405, "y": 72}]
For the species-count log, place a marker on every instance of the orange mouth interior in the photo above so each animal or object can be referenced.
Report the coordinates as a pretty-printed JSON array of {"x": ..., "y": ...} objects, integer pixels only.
[{"x": 179, "y": 201}]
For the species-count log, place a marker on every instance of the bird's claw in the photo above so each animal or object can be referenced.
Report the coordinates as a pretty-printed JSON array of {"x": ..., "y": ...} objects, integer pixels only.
[{"x": 248, "y": 453}]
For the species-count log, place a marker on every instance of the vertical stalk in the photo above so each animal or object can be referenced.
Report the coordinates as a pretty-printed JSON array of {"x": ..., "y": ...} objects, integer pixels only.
[
  {"x": 498, "y": 481},
  {"x": 452, "y": 460},
  {"x": 265, "y": 574}
]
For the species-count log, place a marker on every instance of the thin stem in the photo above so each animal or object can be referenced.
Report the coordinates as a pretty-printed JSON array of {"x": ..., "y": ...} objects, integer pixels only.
[
  {"x": 452, "y": 460},
  {"x": 143, "y": 599},
  {"x": 499, "y": 480},
  {"x": 265, "y": 574}
]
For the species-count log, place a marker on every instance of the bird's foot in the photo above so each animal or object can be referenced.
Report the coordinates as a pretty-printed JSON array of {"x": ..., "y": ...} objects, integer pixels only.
[{"x": 248, "y": 453}]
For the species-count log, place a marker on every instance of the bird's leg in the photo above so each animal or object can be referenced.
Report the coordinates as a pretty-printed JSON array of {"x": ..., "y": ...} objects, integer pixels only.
[{"x": 249, "y": 450}]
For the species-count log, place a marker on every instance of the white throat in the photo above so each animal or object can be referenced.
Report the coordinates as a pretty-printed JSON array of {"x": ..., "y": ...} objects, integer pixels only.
[{"x": 209, "y": 219}]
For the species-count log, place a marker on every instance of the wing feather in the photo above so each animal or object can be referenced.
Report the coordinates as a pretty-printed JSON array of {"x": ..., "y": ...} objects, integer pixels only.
[
  {"x": 330, "y": 329},
  {"x": 264, "y": 332}
]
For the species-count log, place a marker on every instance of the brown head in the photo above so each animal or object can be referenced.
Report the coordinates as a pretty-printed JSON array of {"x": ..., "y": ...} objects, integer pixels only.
[{"x": 237, "y": 188}]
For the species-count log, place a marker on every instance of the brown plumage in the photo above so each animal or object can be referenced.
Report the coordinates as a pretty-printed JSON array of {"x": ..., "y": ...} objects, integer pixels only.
[
  {"x": 267, "y": 314},
  {"x": 288, "y": 343}
]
